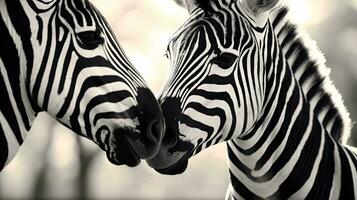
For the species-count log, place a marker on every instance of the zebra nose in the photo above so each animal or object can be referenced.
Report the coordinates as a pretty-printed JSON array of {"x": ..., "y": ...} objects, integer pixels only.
[
  {"x": 171, "y": 110},
  {"x": 151, "y": 121}
]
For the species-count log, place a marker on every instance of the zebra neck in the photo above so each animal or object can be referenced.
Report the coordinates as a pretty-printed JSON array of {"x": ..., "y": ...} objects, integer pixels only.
[
  {"x": 17, "y": 56},
  {"x": 16, "y": 109},
  {"x": 34, "y": 43}
]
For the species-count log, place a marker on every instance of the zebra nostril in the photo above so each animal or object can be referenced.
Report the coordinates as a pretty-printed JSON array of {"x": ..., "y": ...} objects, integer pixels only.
[{"x": 154, "y": 131}]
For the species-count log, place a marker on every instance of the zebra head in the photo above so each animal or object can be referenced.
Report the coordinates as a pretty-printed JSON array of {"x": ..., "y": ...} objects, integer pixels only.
[
  {"x": 72, "y": 66},
  {"x": 215, "y": 90}
]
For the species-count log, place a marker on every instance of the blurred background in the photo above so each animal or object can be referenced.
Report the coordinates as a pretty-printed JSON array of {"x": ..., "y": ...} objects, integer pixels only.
[{"x": 54, "y": 163}]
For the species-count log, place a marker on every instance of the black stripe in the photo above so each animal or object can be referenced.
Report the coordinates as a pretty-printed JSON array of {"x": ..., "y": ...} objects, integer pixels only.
[
  {"x": 210, "y": 112},
  {"x": 82, "y": 11},
  {"x": 3, "y": 148},
  {"x": 308, "y": 73},
  {"x": 67, "y": 61},
  {"x": 294, "y": 137},
  {"x": 127, "y": 114},
  {"x": 238, "y": 186},
  {"x": 40, "y": 29},
  {"x": 280, "y": 16},
  {"x": 347, "y": 190},
  {"x": 7, "y": 109},
  {"x": 53, "y": 68},
  {"x": 111, "y": 97},
  {"x": 94, "y": 81},
  {"x": 67, "y": 16},
  {"x": 43, "y": 66},
  {"x": 77, "y": 15},
  {"x": 274, "y": 118},
  {"x": 323, "y": 181},
  {"x": 88, "y": 83},
  {"x": 21, "y": 24},
  {"x": 303, "y": 168},
  {"x": 197, "y": 124}
]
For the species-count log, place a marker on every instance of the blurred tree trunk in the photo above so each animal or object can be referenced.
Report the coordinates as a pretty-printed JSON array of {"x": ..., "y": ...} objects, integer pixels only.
[
  {"x": 40, "y": 186},
  {"x": 85, "y": 160}
]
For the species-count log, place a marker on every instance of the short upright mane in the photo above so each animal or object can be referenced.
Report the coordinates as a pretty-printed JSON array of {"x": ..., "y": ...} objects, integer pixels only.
[{"x": 308, "y": 65}]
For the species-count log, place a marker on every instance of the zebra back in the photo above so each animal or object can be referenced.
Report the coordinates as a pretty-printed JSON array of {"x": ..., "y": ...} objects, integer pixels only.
[{"x": 310, "y": 70}]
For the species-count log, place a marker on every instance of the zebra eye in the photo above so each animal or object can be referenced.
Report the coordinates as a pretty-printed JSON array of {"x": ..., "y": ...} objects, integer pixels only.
[
  {"x": 225, "y": 60},
  {"x": 90, "y": 39}
]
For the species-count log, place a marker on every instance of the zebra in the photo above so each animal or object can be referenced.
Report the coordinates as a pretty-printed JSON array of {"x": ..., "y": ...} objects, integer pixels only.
[
  {"x": 243, "y": 74},
  {"x": 61, "y": 57}
]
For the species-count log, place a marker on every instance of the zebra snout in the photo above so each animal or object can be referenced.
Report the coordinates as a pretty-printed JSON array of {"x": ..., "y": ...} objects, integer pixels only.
[
  {"x": 150, "y": 139},
  {"x": 152, "y": 124},
  {"x": 172, "y": 112},
  {"x": 174, "y": 153}
]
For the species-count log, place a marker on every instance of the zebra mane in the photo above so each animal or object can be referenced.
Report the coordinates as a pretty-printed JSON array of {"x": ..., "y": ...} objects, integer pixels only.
[
  {"x": 309, "y": 68},
  {"x": 180, "y": 2}
]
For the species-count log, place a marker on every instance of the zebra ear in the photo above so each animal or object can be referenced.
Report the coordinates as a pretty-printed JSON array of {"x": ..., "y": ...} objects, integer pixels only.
[
  {"x": 190, "y": 5},
  {"x": 42, "y": 5},
  {"x": 259, "y": 7}
]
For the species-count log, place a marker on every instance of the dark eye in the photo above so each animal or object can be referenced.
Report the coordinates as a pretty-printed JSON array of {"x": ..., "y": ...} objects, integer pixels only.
[
  {"x": 90, "y": 39},
  {"x": 225, "y": 60}
]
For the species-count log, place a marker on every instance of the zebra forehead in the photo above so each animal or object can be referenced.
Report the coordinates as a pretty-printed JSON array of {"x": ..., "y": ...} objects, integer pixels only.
[{"x": 82, "y": 10}]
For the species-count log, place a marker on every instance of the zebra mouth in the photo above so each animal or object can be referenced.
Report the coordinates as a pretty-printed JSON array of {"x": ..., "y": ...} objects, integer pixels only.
[
  {"x": 177, "y": 168},
  {"x": 172, "y": 161},
  {"x": 121, "y": 152}
]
